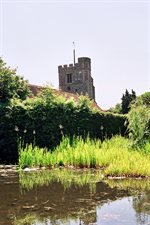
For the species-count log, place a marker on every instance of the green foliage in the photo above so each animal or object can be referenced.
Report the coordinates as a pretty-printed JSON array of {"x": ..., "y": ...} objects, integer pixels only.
[
  {"x": 43, "y": 119},
  {"x": 115, "y": 155},
  {"x": 127, "y": 99},
  {"x": 146, "y": 147},
  {"x": 34, "y": 156},
  {"x": 143, "y": 99},
  {"x": 11, "y": 85},
  {"x": 146, "y": 99},
  {"x": 8, "y": 136},
  {"x": 138, "y": 123},
  {"x": 50, "y": 117},
  {"x": 116, "y": 109},
  {"x": 139, "y": 119}
]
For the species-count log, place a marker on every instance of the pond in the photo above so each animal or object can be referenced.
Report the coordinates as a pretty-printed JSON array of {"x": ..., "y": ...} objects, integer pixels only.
[{"x": 72, "y": 197}]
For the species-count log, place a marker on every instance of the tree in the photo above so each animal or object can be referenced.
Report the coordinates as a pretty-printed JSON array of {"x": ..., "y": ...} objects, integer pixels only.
[
  {"x": 139, "y": 119},
  {"x": 143, "y": 99},
  {"x": 139, "y": 124},
  {"x": 127, "y": 98},
  {"x": 11, "y": 85},
  {"x": 116, "y": 109}
]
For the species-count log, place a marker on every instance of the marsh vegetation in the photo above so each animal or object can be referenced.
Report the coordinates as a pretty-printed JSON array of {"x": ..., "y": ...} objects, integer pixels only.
[{"x": 116, "y": 157}]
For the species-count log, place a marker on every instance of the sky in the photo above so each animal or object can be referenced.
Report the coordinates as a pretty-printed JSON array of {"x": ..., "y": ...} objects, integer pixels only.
[{"x": 36, "y": 36}]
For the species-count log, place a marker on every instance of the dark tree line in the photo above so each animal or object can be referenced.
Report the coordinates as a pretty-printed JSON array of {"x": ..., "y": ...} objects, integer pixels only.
[{"x": 127, "y": 99}]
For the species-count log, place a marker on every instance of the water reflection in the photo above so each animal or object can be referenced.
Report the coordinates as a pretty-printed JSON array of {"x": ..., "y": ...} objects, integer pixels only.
[
  {"x": 66, "y": 177},
  {"x": 71, "y": 197}
]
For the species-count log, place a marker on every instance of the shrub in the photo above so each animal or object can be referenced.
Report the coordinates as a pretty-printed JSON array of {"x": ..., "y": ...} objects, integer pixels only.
[
  {"x": 139, "y": 124},
  {"x": 44, "y": 119}
]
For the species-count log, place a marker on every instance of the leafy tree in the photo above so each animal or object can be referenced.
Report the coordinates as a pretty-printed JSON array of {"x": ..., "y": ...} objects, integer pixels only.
[
  {"x": 127, "y": 98},
  {"x": 139, "y": 119},
  {"x": 138, "y": 123},
  {"x": 116, "y": 109},
  {"x": 11, "y": 85},
  {"x": 143, "y": 99}
]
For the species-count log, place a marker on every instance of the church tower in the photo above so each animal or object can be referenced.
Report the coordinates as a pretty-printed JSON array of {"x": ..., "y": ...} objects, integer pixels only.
[{"x": 77, "y": 78}]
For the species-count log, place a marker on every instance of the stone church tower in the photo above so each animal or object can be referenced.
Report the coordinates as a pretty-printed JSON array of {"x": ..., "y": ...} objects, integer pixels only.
[{"x": 77, "y": 78}]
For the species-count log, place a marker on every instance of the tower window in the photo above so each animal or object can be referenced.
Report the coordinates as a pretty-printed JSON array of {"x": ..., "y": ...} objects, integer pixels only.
[{"x": 69, "y": 78}]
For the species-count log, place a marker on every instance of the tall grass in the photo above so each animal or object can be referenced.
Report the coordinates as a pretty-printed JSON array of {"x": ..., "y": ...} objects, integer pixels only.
[{"x": 115, "y": 156}]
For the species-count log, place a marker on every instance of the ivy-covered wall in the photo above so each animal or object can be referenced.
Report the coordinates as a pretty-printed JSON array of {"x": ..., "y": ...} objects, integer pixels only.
[{"x": 44, "y": 119}]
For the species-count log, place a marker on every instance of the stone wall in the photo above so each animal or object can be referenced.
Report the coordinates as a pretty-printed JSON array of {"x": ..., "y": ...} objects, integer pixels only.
[{"x": 77, "y": 78}]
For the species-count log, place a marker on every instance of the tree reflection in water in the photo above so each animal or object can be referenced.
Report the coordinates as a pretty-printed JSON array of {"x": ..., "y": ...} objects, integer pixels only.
[
  {"x": 60, "y": 196},
  {"x": 141, "y": 204},
  {"x": 140, "y": 190}
]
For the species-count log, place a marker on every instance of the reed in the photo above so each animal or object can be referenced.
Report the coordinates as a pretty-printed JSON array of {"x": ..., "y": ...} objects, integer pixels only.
[{"x": 116, "y": 156}]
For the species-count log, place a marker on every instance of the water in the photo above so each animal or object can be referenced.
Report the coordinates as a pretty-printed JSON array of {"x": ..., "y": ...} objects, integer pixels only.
[{"x": 72, "y": 197}]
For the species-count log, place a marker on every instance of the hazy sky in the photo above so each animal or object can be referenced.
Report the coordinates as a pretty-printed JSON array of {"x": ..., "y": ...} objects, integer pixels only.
[{"x": 36, "y": 36}]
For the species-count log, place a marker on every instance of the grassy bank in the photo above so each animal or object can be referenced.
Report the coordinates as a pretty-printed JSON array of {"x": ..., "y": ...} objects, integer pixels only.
[{"x": 115, "y": 156}]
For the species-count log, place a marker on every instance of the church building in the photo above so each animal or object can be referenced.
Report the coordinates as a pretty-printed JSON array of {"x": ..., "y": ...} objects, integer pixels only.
[{"x": 76, "y": 78}]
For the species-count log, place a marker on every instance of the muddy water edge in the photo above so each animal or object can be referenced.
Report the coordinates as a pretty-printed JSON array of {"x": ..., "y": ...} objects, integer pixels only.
[{"x": 64, "y": 196}]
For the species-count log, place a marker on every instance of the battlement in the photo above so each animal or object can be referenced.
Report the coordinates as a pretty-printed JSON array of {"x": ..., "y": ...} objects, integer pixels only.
[
  {"x": 82, "y": 62},
  {"x": 76, "y": 78},
  {"x": 65, "y": 66},
  {"x": 84, "y": 59}
]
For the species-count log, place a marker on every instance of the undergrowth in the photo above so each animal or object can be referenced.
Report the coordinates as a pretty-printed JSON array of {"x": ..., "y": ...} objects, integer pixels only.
[{"x": 116, "y": 156}]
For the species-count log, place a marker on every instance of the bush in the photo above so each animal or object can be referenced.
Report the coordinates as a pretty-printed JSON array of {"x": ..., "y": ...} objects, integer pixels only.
[
  {"x": 44, "y": 119},
  {"x": 139, "y": 119},
  {"x": 51, "y": 120}
]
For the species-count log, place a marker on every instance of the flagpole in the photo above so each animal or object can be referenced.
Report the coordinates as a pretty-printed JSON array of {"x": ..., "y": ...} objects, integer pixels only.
[{"x": 74, "y": 56}]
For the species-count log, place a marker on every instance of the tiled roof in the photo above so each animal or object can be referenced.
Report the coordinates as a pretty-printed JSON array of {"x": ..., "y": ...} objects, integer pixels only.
[{"x": 35, "y": 89}]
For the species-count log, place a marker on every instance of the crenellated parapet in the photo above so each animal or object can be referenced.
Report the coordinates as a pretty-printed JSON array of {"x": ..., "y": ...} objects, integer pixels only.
[
  {"x": 65, "y": 66},
  {"x": 83, "y": 62},
  {"x": 76, "y": 78}
]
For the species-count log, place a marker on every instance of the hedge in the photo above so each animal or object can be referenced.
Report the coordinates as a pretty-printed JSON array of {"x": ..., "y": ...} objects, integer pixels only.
[{"x": 43, "y": 122}]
